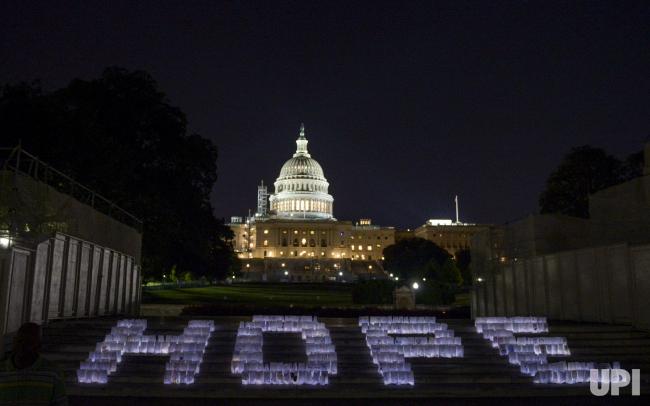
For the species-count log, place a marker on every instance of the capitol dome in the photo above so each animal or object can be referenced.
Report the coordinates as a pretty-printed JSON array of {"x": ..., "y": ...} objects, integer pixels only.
[
  {"x": 301, "y": 190},
  {"x": 302, "y": 166}
]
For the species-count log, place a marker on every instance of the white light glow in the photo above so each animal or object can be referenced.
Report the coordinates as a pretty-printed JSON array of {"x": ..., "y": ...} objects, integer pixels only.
[
  {"x": 415, "y": 286},
  {"x": 185, "y": 351},
  {"x": 4, "y": 242},
  {"x": 531, "y": 353},
  {"x": 248, "y": 360},
  {"x": 389, "y": 352}
]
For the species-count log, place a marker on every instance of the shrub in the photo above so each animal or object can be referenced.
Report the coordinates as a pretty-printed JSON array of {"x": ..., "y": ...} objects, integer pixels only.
[{"x": 373, "y": 292}]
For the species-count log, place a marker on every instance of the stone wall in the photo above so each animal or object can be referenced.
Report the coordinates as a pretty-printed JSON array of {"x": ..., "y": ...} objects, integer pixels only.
[
  {"x": 609, "y": 284},
  {"x": 65, "y": 277},
  {"x": 42, "y": 203}
]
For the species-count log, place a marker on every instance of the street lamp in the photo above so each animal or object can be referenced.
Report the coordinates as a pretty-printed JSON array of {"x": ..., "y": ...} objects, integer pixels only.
[
  {"x": 415, "y": 286},
  {"x": 4, "y": 242}
]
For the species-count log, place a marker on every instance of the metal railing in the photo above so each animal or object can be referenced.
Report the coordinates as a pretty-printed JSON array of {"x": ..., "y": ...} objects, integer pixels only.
[{"x": 19, "y": 161}]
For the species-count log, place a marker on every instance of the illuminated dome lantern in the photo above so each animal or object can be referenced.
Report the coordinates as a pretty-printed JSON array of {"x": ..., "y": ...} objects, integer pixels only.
[{"x": 301, "y": 188}]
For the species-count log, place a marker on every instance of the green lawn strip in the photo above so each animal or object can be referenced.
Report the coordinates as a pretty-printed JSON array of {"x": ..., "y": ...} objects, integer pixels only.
[
  {"x": 297, "y": 295},
  {"x": 260, "y": 294}
]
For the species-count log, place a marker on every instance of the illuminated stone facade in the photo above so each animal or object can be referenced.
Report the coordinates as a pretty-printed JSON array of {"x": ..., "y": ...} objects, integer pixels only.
[
  {"x": 299, "y": 239},
  {"x": 301, "y": 189},
  {"x": 449, "y": 235},
  {"x": 310, "y": 250}
]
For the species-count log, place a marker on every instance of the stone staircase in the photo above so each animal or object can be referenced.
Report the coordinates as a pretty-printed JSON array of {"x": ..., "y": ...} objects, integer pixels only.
[{"x": 482, "y": 373}]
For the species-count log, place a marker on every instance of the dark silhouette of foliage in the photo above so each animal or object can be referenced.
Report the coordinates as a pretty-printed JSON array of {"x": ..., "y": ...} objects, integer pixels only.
[
  {"x": 442, "y": 283},
  {"x": 408, "y": 258},
  {"x": 632, "y": 166},
  {"x": 584, "y": 171},
  {"x": 373, "y": 292},
  {"x": 463, "y": 260},
  {"x": 119, "y": 135}
]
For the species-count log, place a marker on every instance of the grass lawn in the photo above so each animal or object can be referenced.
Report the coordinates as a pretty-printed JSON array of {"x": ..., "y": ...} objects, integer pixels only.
[
  {"x": 268, "y": 294},
  {"x": 258, "y": 294}
]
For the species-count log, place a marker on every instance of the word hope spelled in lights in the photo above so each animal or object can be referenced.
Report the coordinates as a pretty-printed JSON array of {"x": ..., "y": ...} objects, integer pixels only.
[
  {"x": 247, "y": 359},
  {"x": 185, "y": 351},
  {"x": 389, "y": 353},
  {"x": 531, "y": 353}
]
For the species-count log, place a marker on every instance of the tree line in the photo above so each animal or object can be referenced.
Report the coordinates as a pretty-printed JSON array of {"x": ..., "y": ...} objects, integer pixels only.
[{"x": 119, "y": 135}]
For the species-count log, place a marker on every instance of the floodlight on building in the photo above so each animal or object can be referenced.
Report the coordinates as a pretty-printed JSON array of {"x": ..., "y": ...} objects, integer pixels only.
[
  {"x": 369, "y": 266},
  {"x": 248, "y": 265},
  {"x": 415, "y": 286},
  {"x": 391, "y": 275},
  {"x": 397, "y": 278},
  {"x": 286, "y": 273},
  {"x": 283, "y": 264},
  {"x": 424, "y": 279},
  {"x": 479, "y": 279},
  {"x": 340, "y": 273}
]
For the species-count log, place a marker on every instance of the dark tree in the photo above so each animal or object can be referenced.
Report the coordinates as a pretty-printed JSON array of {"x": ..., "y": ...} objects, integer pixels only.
[
  {"x": 444, "y": 282},
  {"x": 409, "y": 258},
  {"x": 463, "y": 260},
  {"x": 583, "y": 171},
  {"x": 120, "y": 136},
  {"x": 632, "y": 166}
]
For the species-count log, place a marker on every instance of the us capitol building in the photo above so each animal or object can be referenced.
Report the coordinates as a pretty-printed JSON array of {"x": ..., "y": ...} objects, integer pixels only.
[{"x": 293, "y": 236}]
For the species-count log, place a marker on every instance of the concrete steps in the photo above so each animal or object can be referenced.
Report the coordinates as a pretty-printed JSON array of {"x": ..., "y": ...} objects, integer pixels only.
[{"x": 481, "y": 373}]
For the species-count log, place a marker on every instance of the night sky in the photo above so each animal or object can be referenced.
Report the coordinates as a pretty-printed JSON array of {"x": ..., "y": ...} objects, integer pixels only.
[{"x": 405, "y": 103}]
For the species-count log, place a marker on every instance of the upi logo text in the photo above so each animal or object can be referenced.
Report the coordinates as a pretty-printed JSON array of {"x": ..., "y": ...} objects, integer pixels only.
[{"x": 601, "y": 380}]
